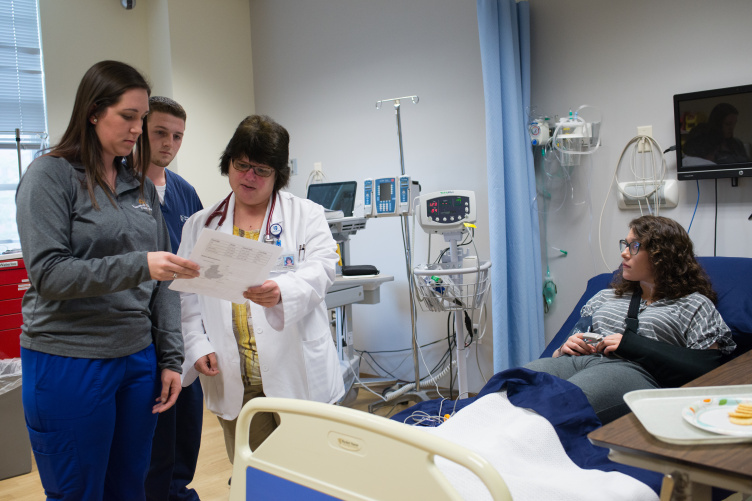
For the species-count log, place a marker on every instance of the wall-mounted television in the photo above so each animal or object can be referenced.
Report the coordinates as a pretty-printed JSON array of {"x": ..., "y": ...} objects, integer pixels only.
[{"x": 714, "y": 133}]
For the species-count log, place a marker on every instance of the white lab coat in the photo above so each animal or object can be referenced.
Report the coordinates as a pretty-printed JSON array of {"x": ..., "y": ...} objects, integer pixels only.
[{"x": 297, "y": 356}]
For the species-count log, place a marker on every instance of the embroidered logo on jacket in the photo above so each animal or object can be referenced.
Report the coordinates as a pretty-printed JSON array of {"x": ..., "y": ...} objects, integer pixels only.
[{"x": 143, "y": 205}]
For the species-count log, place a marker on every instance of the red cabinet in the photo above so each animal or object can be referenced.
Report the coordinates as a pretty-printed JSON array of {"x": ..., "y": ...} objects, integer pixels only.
[{"x": 13, "y": 284}]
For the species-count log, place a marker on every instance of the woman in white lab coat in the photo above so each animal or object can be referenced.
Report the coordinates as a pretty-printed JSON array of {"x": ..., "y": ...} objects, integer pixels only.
[{"x": 279, "y": 343}]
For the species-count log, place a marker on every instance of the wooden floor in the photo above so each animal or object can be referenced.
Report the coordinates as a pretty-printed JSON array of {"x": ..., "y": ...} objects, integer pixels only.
[{"x": 212, "y": 472}]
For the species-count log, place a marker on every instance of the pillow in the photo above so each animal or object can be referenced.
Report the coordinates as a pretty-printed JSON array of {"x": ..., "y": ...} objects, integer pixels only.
[{"x": 730, "y": 278}]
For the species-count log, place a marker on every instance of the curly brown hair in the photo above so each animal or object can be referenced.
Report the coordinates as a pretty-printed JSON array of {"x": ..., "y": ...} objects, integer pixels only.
[{"x": 675, "y": 268}]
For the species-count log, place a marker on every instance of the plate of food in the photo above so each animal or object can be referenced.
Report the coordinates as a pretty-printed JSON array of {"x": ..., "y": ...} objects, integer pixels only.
[{"x": 722, "y": 415}]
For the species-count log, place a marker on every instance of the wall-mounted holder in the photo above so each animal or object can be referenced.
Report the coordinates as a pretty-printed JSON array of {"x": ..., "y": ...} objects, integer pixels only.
[{"x": 636, "y": 194}]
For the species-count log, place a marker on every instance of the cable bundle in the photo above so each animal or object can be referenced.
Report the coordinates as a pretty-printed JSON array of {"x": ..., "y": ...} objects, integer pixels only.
[{"x": 644, "y": 171}]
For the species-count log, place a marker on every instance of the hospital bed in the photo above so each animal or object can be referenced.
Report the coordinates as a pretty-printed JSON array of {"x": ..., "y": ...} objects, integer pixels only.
[
  {"x": 329, "y": 452},
  {"x": 322, "y": 451}
]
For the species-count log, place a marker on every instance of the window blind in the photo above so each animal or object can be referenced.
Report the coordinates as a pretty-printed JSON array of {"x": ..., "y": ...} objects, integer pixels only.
[
  {"x": 22, "y": 106},
  {"x": 21, "y": 80}
]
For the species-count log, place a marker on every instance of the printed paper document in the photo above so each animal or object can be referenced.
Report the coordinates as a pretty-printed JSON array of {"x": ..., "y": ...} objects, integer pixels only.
[{"x": 229, "y": 265}]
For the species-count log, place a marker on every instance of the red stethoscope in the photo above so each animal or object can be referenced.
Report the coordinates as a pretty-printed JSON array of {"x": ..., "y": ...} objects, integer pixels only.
[{"x": 273, "y": 231}]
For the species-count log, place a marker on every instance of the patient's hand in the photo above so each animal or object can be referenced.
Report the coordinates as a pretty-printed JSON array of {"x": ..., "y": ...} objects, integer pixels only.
[
  {"x": 609, "y": 344},
  {"x": 576, "y": 346}
]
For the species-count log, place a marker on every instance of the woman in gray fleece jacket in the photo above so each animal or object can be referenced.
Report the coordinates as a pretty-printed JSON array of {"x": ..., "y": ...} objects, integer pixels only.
[{"x": 101, "y": 346}]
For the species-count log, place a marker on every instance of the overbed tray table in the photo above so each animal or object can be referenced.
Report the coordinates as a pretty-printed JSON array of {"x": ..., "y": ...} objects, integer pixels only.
[{"x": 701, "y": 464}]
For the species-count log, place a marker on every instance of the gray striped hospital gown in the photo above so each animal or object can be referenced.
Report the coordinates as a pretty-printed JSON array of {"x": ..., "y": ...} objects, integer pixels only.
[{"x": 691, "y": 321}]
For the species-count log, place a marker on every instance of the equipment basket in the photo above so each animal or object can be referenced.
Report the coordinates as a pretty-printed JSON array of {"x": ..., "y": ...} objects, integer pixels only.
[{"x": 440, "y": 288}]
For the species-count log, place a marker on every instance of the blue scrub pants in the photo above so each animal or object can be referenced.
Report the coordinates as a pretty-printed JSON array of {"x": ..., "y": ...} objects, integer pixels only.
[
  {"x": 604, "y": 380},
  {"x": 90, "y": 423},
  {"x": 175, "y": 447}
]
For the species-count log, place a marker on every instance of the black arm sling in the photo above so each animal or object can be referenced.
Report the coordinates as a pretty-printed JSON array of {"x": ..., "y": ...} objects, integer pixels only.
[
  {"x": 634, "y": 308},
  {"x": 670, "y": 365}
]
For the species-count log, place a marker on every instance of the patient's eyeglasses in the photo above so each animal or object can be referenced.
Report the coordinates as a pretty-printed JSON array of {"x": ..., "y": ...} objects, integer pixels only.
[
  {"x": 634, "y": 247},
  {"x": 259, "y": 170}
]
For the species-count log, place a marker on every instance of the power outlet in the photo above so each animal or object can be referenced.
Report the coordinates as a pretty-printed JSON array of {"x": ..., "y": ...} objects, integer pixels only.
[
  {"x": 293, "y": 164},
  {"x": 317, "y": 167},
  {"x": 644, "y": 130}
]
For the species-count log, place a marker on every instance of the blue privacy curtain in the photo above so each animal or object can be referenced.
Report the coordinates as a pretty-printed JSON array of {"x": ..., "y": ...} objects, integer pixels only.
[{"x": 517, "y": 304}]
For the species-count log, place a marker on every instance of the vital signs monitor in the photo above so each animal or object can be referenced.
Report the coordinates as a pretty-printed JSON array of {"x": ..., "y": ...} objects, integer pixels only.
[{"x": 446, "y": 211}]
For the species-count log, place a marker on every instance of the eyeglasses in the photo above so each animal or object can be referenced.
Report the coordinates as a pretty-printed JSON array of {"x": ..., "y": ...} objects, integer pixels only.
[
  {"x": 634, "y": 247},
  {"x": 259, "y": 170}
]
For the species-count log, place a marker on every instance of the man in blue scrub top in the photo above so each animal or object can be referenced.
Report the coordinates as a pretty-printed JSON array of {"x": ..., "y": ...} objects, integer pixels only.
[{"x": 178, "y": 434}]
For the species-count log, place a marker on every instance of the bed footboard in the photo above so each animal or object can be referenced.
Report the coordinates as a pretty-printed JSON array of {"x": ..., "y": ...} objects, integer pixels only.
[{"x": 325, "y": 451}]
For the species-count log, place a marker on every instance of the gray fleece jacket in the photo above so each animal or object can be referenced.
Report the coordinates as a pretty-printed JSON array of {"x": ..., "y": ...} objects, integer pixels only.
[{"x": 91, "y": 294}]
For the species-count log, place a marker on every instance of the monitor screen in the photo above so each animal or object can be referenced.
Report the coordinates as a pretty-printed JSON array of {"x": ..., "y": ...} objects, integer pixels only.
[
  {"x": 385, "y": 190},
  {"x": 334, "y": 196},
  {"x": 714, "y": 133}
]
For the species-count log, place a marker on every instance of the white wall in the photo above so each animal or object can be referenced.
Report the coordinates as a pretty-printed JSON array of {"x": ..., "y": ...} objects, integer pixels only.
[
  {"x": 206, "y": 73},
  {"x": 629, "y": 59},
  {"x": 77, "y": 35},
  {"x": 212, "y": 77},
  {"x": 320, "y": 67}
]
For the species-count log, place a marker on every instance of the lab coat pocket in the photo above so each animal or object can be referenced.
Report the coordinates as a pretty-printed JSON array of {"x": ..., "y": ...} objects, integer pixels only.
[
  {"x": 57, "y": 461},
  {"x": 316, "y": 355},
  {"x": 212, "y": 388}
]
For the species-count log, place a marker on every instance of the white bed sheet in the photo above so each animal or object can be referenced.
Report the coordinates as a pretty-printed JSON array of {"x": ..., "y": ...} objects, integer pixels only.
[{"x": 524, "y": 448}]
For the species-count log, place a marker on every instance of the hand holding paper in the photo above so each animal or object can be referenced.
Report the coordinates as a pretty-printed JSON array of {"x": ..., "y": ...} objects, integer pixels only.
[
  {"x": 229, "y": 265},
  {"x": 266, "y": 294}
]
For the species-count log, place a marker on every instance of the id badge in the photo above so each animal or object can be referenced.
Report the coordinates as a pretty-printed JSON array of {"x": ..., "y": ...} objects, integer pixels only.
[{"x": 286, "y": 262}]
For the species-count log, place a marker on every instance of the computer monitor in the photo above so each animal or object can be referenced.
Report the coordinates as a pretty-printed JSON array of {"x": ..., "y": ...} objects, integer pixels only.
[{"x": 334, "y": 196}]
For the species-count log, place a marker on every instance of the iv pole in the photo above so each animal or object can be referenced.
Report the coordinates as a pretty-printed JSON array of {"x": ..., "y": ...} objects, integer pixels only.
[
  {"x": 416, "y": 392},
  {"x": 406, "y": 230}
]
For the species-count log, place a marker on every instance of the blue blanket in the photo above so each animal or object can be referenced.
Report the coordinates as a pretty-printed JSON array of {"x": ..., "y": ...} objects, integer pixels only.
[{"x": 561, "y": 403}]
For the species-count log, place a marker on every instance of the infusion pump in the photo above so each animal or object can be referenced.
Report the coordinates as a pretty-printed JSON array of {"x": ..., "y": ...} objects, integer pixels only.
[
  {"x": 389, "y": 196},
  {"x": 446, "y": 211}
]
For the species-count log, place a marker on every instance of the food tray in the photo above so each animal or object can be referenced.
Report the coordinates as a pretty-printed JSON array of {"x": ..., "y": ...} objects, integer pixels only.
[{"x": 660, "y": 412}]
